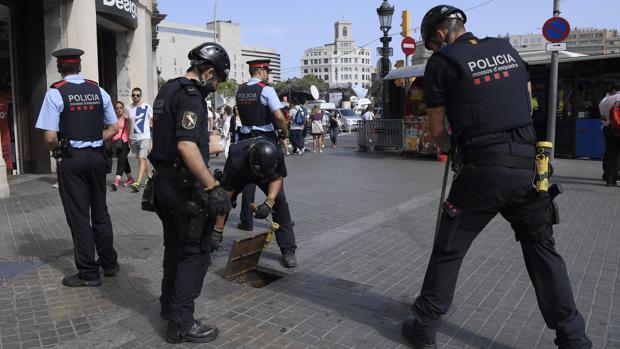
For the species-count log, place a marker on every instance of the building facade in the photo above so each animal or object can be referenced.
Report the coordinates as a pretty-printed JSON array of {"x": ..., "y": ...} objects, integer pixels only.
[
  {"x": 118, "y": 40},
  {"x": 341, "y": 61},
  {"x": 177, "y": 39},
  {"x": 587, "y": 41}
]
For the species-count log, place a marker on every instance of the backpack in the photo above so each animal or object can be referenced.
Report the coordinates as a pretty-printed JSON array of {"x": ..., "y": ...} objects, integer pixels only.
[
  {"x": 300, "y": 117},
  {"x": 614, "y": 119}
]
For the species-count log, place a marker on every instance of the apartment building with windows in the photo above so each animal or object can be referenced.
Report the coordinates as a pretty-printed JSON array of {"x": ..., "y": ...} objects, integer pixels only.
[{"x": 341, "y": 61}]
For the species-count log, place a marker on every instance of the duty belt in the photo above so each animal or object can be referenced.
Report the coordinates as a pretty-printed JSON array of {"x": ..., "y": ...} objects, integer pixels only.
[{"x": 481, "y": 159}]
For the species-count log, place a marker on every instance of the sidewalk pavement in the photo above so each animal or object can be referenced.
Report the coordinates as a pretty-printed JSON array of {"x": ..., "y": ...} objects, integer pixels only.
[{"x": 364, "y": 226}]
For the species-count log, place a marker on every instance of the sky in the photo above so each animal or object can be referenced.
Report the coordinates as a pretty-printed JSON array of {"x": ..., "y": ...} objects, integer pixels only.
[{"x": 291, "y": 26}]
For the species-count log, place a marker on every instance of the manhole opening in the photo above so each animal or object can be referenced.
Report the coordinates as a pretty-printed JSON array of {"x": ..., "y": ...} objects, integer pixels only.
[{"x": 257, "y": 278}]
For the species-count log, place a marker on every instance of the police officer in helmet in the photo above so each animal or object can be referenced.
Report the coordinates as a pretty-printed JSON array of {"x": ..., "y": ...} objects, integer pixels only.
[
  {"x": 187, "y": 197},
  {"x": 73, "y": 116},
  {"x": 482, "y": 86},
  {"x": 260, "y": 114},
  {"x": 260, "y": 162}
]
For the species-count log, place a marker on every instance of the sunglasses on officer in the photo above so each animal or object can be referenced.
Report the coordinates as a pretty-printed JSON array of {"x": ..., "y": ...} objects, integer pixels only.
[{"x": 137, "y": 95}]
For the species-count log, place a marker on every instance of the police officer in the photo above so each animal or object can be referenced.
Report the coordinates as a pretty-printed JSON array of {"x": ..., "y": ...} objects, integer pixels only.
[
  {"x": 482, "y": 85},
  {"x": 258, "y": 104},
  {"x": 260, "y": 162},
  {"x": 74, "y": 116},
  {"x": 187, "y": 197}
]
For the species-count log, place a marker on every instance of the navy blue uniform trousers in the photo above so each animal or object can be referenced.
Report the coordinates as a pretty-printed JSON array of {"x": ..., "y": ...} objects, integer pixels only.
[
  {"x": 185, "y": 262},
  {"x": 81, "y": 183},
  {"x": 481, "y": 192}
]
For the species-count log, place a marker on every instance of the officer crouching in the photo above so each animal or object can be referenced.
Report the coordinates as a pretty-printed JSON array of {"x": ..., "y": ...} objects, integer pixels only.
[
  {"x": 482, "y": 86},
  {"x": 260, "y": 162},
  {"x": 187, "y": 197}
]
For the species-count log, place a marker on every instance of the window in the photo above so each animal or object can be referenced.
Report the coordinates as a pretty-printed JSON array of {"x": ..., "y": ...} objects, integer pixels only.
[
  {"x": 305, "y": 62},
  {"x": 344, "y": 31},
  {"x": 325, "y": 70},
  {"x": 325, "y": 60},
  {"x": 175, "y": 61},
  {"x": 325, "y": 77},
  {"x": 305, "y": 71}
]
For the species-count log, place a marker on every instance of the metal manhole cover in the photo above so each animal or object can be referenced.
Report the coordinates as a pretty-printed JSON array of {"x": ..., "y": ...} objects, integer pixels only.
[{"x": 244, "y": 256}]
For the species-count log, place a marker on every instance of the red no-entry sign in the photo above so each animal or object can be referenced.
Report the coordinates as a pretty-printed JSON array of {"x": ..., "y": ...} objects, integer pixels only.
[{"x": 408, "y": 45}]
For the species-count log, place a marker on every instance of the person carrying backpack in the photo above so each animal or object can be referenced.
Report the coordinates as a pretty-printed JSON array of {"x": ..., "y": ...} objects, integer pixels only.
[
  {"x": 297, "y": 116},
  {"x": 610, "y": 116}
]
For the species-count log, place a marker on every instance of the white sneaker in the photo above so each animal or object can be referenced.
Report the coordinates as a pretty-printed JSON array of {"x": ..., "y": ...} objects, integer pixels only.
[
  {"x": 55, "y": 185},
  {"x": 303, "y": 150}
]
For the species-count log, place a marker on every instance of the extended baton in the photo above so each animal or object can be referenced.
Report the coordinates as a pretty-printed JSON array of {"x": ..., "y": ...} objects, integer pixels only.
[{"x": 443, "y": 193}]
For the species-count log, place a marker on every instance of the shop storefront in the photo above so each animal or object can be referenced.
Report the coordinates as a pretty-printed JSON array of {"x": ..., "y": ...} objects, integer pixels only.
[{"x": 117, "y": 37}]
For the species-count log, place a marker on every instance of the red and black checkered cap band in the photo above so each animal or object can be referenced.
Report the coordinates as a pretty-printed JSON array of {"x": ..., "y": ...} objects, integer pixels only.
[
  {"x": 61, "y": 60},
  {"x": 259, "y": 65}
]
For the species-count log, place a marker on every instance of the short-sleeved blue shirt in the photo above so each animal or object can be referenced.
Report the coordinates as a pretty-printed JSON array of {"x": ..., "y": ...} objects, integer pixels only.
[
  {"x": 268, "y": 97},
  {"x": 53, "y": 106}
]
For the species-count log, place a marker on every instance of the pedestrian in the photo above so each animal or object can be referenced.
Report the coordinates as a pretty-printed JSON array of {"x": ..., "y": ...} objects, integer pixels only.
[
  {"x": 495, "y": 141},
  {"x": 74, "y": 116},
  {"x": 368, "y": 114},
  {"x": 141, "y": 119},
  {"x": 187, "y": 197},
  {"x": 259, "y": 111},
  {"x": 611, "y": 157},
  {"x": 317, "y": 129},
  {"x": 261, "y": 162},
  {"x": 285, "y": 141},
  {"x": 297, "y": 123},
  {"x": 334, "y": 125},
  {"x": 120, "y": 147},
  {"x": 227, "y": 116}
]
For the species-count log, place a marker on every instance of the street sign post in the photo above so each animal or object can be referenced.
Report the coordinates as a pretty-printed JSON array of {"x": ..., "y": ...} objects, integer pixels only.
[
  {"x": 556, "y": 29},
  {"x": 408, "y": 45},
  {"x": 560, "y": 46}
]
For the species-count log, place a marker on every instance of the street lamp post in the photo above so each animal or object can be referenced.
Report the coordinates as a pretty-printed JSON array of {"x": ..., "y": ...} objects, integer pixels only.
[{"x": 385, "y": 12}]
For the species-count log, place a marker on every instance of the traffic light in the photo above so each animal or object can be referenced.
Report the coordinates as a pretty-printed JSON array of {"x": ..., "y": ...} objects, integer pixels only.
[{"x": 406, "y": 23}]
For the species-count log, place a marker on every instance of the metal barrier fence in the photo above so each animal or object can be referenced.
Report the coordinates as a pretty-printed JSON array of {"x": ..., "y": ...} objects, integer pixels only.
[{"x": 383, "y": 133}]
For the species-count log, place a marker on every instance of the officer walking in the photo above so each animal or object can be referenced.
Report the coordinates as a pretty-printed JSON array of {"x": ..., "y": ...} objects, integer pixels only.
[
  {"x": 187, "y": 197},
  {"x": 257, "y": 103},
  {"x": 74, "y": 116},
  {"x": 482, "y": 86},
  {"x": 260, "y": 162}
]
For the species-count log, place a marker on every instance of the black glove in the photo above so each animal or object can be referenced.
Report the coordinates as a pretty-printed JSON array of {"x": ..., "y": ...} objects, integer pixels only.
[
  {"x": 263, "y": 210},
  {"x": 217, "y": 200},
  {"x": 217, "y": 235}
]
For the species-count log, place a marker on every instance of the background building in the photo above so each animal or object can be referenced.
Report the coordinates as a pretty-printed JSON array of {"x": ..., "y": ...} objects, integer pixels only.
[
  {"x": 177, "y": 39},
  {"x": 341, "y": 61},
  {"x": 587, "y": 41},
  {"x": 119, "y": 44}
]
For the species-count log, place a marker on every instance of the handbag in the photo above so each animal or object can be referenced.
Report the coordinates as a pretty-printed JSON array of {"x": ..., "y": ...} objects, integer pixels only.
[
  {"x": 148, "y": 196},
  {"x": 215, "y": 144},
  {"x": 317, "y": 127}
]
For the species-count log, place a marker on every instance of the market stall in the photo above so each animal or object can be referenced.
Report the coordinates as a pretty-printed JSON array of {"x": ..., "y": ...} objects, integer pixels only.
[{"x": 407, "y": 129}]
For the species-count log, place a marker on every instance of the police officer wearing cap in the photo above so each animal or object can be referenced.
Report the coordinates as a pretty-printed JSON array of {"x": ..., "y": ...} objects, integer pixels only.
[
  {"x": 259, "y": 106},
  {"x": 77, "y": 116},
  {"x": 186, "y": 196},
  {"x": 259, "y": 161},
  {"x": 482, "y": 85}
]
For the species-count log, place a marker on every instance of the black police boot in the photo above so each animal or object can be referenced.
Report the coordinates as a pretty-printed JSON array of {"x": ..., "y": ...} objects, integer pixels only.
[
  {"x": 408, "y": 331},
  {"x": 76, "y": 281},
  {"x": 199, "y": 333},
  {"x": 242, "y": 226},
  {"x": 288, "y": 258},
  {"x": 112, "y": 270}
]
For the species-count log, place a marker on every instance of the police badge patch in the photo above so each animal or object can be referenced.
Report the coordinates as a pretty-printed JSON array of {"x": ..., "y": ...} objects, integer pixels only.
[{"x": 189, "y": 120}]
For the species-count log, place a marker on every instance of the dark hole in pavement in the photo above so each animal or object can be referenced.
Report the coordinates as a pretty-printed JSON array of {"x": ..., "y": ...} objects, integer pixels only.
[{"x": 258, "y": 278}]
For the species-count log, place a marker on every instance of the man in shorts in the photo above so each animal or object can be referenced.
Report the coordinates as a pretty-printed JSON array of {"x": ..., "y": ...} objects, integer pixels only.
[{"x": 141, "y": 117}]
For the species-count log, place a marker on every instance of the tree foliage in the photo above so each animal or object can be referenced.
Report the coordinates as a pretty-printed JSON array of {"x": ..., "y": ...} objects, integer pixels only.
[{"x": 228, "y": 89}]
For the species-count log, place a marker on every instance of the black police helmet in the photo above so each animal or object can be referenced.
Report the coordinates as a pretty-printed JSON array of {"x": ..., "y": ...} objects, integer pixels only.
[
  {"x": 434, "y": 16},
  {"x": 213, "y": 53},
  {"x": 263, "y": 157}
]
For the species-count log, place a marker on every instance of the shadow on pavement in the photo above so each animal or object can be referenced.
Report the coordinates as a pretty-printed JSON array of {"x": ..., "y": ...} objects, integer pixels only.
[{"x": 357, "y": 303}]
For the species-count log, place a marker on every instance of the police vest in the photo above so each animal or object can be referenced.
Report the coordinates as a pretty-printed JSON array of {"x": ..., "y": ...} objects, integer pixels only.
[
  {"x": 82, "y": 116},
  {"x": 492, "y": 94},
  {"x": 169, "y": 100},
  {"x": 251, "y": 111}
]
